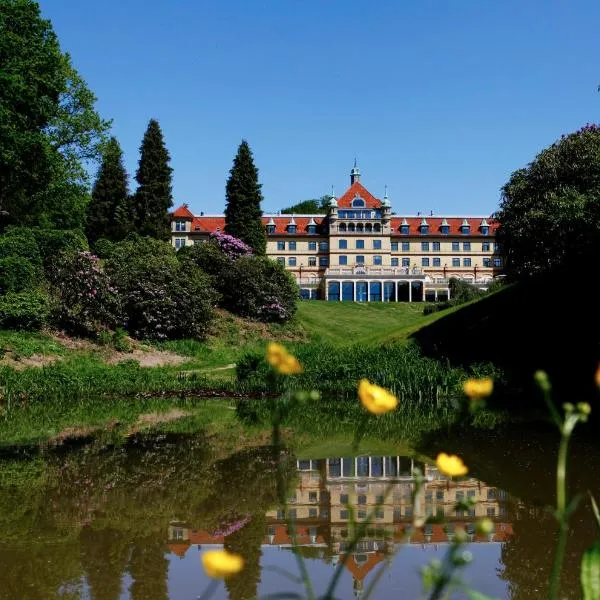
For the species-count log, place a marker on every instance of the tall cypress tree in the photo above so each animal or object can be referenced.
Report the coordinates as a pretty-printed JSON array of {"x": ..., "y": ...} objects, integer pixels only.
[
  {"x": 109, "y": 213},
  {"x": 153, "y": 197},
  {"x": 243, "y": 195}
]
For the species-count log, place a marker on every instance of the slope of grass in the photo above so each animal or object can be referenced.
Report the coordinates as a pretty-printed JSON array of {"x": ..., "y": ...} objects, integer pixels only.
[{"x": 343, "y": 323}]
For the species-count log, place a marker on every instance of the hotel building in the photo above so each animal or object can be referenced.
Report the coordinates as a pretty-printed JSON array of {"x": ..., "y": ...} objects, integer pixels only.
[{"x": 362, "y": 251}]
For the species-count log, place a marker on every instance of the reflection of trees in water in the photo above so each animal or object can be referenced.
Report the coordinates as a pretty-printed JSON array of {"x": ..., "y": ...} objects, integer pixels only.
[
  {"x": 528, "y": 555},
  {"x": 104, "y": 559},
  {"x": 33, "y": 571},
  {"x": 247, "y": 542},
  {"x": 100, "y": 513},
  {"x": 149, "y": 569}
]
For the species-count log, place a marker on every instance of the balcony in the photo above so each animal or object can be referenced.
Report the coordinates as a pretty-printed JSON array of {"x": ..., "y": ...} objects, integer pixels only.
[{"x": 373, "y": 272}]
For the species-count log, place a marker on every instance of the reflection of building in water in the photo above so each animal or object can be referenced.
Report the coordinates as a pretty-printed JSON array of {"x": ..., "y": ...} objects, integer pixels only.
[{"x": 334, "y": 493}]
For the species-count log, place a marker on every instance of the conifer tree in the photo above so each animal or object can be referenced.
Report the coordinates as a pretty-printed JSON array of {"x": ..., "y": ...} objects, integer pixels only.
[
  {"x": 109, "y": 213},
  {"x": 243, "y": 195},
  {"x": 153, "y": 197}
]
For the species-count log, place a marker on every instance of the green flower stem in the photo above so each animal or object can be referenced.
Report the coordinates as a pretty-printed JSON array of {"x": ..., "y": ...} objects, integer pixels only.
[{"x": 561, "y": 503}]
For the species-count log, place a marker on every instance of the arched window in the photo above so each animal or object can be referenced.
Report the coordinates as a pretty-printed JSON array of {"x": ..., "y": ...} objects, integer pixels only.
[
  {"x": 351, "y": 227},
  {"x": 358, "y": 202},
  {"x": 377, "y": 227},
  {"x": 368, "y": 227},
  {"x": 312, "y": 229},
  {"x": 359, "y": 227},
  {"x": 342, "y": 227}
]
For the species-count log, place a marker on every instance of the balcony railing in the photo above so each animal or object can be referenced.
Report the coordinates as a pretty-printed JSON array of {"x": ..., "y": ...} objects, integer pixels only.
[{"x": 374, "y": 271}]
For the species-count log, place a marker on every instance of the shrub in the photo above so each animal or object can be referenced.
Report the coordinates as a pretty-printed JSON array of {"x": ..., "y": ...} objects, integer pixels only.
[
  {"x": 20, "y": 241},
  {"x": 162, "y": 297},
  {"x": 24, "y": 310},
  {"x": 103, "y": 247},
  {"x": 54, "y": 242},
  {"x": 463, "y": 291},
  {"x": 85, "y": 300},
  {"x": 17, "y": 274},
  {"x": 258, "y": 287},
  {"x": 208, "y": 256}
]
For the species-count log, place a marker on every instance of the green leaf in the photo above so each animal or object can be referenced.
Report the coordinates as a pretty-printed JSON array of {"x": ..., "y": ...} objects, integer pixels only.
[
  {"x": 473, "y": 595},
  {"x": 590, "y": 572},
  {"x": 595, "y": 508}
]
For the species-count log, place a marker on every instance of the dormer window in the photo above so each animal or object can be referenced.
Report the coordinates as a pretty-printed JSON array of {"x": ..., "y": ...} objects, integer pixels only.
[
  {"x": 404, "y": 229},
  {"x": 179, "y": 225},
  {"x": 445, "y": 229},
  {"x": 312, "y": 229},
  {"x": 465, "y": 228},
  {"x": 270, "y": 229},
  {"x": 358, "y": 202},
  {"x": 291, "y": 229},
  {"x": 424, "y": 228},
  {"x": 485, "y": 230}
]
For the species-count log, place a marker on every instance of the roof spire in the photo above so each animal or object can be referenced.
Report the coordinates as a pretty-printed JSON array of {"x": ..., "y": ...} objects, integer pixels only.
[
  {"x": 386, "y": 200},
  {"x": 355, "y": 173}
]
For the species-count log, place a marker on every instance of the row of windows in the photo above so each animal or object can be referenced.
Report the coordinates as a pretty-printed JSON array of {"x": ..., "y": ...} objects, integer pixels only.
[
  {"x": 396, "y": 246},
  {"x": 312, "y": 261},
  {"x": 292, "y": 229},
  {"x": 444, "y": 229},
  {"x": 291, "y": 245},
  {"x": 292, "y": 261},
  {"x": 436, "y": 246}
]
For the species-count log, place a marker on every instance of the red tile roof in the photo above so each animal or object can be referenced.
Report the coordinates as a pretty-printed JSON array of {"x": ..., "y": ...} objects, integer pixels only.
[
  {"x": 183, "y": 212},
  {"x": 435, "y": 223},
  {"x": 211, "y": 224},
  {"x": 358, "y": 189}
]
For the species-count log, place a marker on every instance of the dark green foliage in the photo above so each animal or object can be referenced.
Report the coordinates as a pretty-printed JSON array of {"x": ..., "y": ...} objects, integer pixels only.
[
  {"x": 24, "y": 310},
  {"x": 243, "y": 195},
  {"x": 152, "y": 200},
  {"x": 550, "y": 211},
  {"x": 20, "y": 241},
  {"x": 48, "y": 123},
  {"x": 53, "y": 242},
  {"x": 208, "y": 256},
  {"x": 162, "y": 297},
  {"x": 316, "y": 206},
  {"x": 532, "y": 325},
  {"x": 86, "y": 303},
  {"x": 260, "y": 288},
  {"x": 463, "y": 291},
  {"x": 103, "y": 247},
  {"x": 110, "y": 213},
  {"x": 437, "y": 306},
  {"x": 17, "y": 274}
]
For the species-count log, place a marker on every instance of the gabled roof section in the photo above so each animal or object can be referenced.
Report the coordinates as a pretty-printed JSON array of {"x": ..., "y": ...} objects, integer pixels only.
[
  {"x": 358, "y": 189},
  {"x": 183, "y": 212},
  {"x": 435, "y": 223}
]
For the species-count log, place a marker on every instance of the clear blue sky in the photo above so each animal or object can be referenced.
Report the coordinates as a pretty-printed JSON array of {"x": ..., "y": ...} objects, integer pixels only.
[{"x": 440, "y": 100}]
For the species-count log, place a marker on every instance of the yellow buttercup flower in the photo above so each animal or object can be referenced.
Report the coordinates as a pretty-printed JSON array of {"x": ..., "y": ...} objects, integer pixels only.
[
  {"x": 219, "y": 564},
  {"x": 451, "y": 465},
  {"x": 478, "y": 388},
  {"x": 281, "y": 360},
  {"x": 376, "y": 399}
]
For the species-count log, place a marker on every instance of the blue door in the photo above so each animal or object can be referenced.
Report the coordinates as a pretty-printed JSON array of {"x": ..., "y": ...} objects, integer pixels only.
[
  {"x": 333, "y": 291},
  {"x": 375, "y": 292},
  {"x": 361, "y": 291},
  {"x": 348, "y": 291}
]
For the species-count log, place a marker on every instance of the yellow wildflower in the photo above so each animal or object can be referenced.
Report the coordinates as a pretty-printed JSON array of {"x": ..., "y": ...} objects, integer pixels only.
[
  {"x": 478, "y": 388},
  {"x": 219, "y": 564},
  {"x": 376, "y": 399},
  {"x": 451, "y": 465},
  {"x": 281, "y": 360}
]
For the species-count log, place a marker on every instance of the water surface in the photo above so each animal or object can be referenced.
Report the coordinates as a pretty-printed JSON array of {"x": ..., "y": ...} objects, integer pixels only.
[{"x": 133, "y": 521}]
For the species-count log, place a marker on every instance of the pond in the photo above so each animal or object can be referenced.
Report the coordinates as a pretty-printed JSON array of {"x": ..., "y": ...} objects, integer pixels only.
[{"x": 133, "y": 520}]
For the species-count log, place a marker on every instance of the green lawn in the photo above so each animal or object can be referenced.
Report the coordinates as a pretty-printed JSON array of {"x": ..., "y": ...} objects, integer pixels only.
[{"x": 341, "y": 323}]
